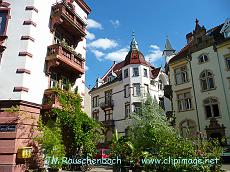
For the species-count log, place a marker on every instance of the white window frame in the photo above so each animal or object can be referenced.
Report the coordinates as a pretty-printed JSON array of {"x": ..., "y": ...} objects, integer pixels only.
[
  {"x": 181, "y": 73},
  {"x": 136, "y": 89},
  {"x": 212, "y": 101},
  {"x": 136, "y": 72},
  {"x": 206, "y": 79},
  {"x": 184, "y": 101},
  {"x": 127, "y": 91}
]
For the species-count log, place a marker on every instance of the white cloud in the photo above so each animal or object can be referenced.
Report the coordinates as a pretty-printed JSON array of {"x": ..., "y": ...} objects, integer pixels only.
[
  {"x": 90, "y": 36},
  {"x": 93, "y": 24},
  {"x": 155, "y": 53},
  {"x": 98, "y": 54},
  {"x": 115, "y": 23},
  {"x": 103, "y": 43},
  {"x": 86, "y": 68},
  {"x": 117, "y": 55}
]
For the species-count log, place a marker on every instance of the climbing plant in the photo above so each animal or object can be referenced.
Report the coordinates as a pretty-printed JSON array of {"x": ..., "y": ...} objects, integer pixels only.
[{"x": 75, "y": 133}]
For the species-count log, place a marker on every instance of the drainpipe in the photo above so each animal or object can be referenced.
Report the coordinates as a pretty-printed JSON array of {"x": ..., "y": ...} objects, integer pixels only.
[
  {"x": 194, "y": 94},
  {"x": 222, "y": 80}
]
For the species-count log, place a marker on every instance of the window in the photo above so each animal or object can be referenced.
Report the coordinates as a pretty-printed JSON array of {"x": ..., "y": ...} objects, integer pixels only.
[
  {"x": 126, "y": 73},
  {"x": 181, "y": 75},
  {"x": 136, "y": 89},
  {"x": 146, "y": 89},
  {"x": 137, "y": 107},
  {"x": 64, "y": 83},
  {"x": 4, "y": 13},
  {"x": 227, "y": 34},
  {"x": 95, "y": 101},
  {"x": 127, "y": 110},
  {"x": 145, "y": 73},
  {"x": 228, "y": 62},
  {"x": 53, "y": 80},
  {"x": 135, "y": 71},
  {"x": 161, "y": 103},
  {"x": 184, "y": 101},
  {"x": 187, "y": 128},
  {"x": 203, "y": 58},
  {"x": 7, "y": 128},
  {"x": 0, "y": 57},
  {"x": 211, "y": 107},
  {"x": 108, "y": 115},
  {"x": 96, "y": 115},
  {"x": 108, "y": 97},
  {"x": 126, "y": 91},
  {"x": 207, "y": 81},
  {"x": 160, "y": 85},
  {"x": 199, "y": 40}
]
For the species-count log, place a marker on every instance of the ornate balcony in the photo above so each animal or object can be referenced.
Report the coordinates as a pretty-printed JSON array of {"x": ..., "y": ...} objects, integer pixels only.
[
  {"x": 50, "y": 100},
  {"x": 63, "y": 14},
  {"x": 64, "y": 56},
  {"x": 107, "y": 105},
  {"x": 109, "y": 123}
]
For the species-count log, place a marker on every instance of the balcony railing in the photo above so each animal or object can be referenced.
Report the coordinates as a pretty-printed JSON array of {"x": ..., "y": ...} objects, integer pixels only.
[
  {"x": 65, "y": 55},
  {"x": 107, "y": 104},
  {"x": 64, "y": 14},
  {"x": 50, "y": 100}
]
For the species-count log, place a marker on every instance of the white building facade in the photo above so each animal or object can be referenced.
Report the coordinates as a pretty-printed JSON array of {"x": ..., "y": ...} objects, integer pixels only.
[
  {"x": 122, "y": 89},
  {"x": 42, "y": 45},
  {"x": 199, "y": 75}
]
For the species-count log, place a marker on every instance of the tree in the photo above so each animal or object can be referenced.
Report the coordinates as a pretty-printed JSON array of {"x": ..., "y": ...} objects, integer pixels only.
[{"x": 151, "y": 137}]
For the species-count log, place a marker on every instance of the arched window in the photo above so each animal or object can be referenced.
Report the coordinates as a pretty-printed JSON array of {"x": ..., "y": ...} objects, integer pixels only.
[
  {"x": 207, "y": 80},
  {"x": 188, "y": 128},
  {"x": 203, "y": 58},
  {"x": 211, "y": 107}
]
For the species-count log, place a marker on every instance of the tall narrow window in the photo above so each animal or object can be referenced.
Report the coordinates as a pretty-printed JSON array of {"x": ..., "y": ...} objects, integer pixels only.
[
  {"x": 146, "y": 89},
  {"x": 126, "y": 91},
  {"x": 135, "y": 71},
  {"x": 145, "y": 73},
  {"x": 108, "y": 115},
  {"x": 207, "y": 80},
  {"x": 96, "y": 115},
  {"x": 127, "y": 110},
  {"x": 126, "y": 73},
  {"x": 95, "y": 101},
  {"x": 211, "y": 107},
  {"x": 4, "y": 13},
  {"x": 181, "y": 75},
  {"x": 136, "y": 89},
  {"x": 160, "y": 85},
  {"x": 53, "y": 80},
  {"x": 161, "y": 103},
  {"x": 137, "y": 107},
  {"x": 108, "y": 97},
  {"x": 228, "y": 62},
  {"x": 184, "y": 101}
]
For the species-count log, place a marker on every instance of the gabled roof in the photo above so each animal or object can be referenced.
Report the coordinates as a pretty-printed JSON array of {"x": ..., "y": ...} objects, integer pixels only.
[{"x": 212, "y": 33}]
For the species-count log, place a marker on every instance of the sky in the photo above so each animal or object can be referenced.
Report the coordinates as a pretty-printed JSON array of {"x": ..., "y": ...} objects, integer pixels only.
[{"x": 111, "y": 23}]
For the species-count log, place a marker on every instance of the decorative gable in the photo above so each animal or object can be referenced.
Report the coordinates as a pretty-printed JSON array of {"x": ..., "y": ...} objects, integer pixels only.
[{"x": 226, "y": 28}]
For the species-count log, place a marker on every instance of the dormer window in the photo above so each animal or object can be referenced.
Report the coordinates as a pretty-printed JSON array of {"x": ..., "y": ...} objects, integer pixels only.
[{"x": 203, "y": 58}]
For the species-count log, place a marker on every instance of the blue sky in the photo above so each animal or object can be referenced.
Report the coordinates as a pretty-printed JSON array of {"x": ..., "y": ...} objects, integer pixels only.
[{"x": 111, "y": 23}]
